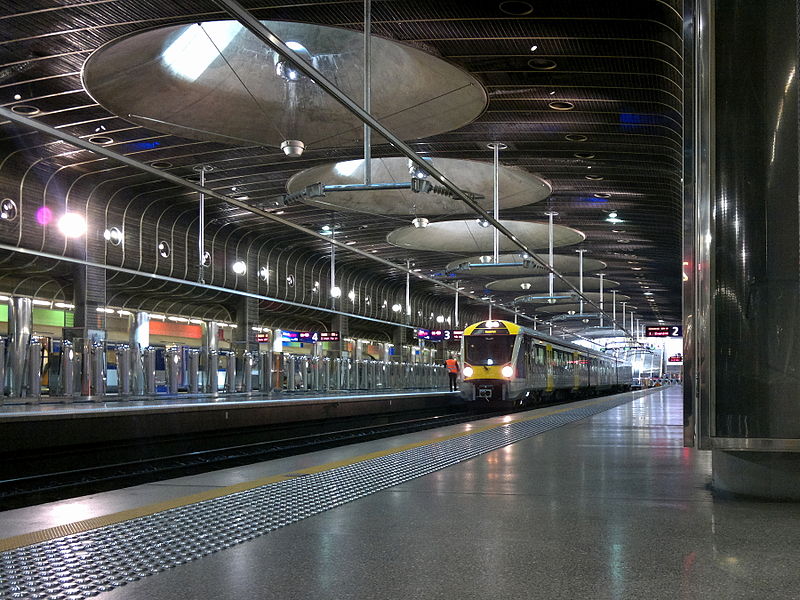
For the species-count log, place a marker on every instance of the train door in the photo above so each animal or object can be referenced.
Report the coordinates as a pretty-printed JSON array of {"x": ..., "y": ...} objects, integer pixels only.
[{"x": 549, "y": 361}]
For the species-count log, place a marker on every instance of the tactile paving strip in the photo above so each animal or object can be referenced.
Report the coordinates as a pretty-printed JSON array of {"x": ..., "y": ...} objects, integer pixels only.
[{"x": 85, "y": 564}]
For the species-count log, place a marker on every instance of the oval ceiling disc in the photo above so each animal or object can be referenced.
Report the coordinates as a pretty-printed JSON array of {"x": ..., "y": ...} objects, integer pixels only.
[
  {"x": 562, "y": 298},
  {"x": 517, "y": 187},
  {"x": 515, "y": 265},
  {"x": 469, "y": 236},
  {"x": 216, "y": 81},
  {"x": 542, "y": 284}
]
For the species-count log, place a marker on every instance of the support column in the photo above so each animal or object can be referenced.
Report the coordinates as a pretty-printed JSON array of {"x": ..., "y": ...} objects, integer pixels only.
[
  {"x": 20, "y": 326},
  {"x": 339, "y": 323},
  {"x": 745, "y": 262}
]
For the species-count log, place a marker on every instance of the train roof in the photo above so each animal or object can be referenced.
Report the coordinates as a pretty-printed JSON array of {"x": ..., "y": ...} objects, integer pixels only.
[{"x": 501, "y": 327}]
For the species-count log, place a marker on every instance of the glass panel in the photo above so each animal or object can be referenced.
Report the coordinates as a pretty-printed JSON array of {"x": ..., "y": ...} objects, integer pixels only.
[{"x": 488, "y": 349}]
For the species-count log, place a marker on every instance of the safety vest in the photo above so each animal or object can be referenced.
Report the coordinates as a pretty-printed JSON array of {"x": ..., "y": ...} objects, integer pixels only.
[{"x": 452, "y": 365}]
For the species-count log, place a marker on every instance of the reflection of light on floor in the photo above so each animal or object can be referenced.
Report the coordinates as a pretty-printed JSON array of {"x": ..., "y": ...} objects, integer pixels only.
[{"x": 72, "y": 511}]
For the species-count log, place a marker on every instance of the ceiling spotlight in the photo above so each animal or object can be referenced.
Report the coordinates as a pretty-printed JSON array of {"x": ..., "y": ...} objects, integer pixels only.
[
  {"x": 570, "y": 312},
  {"x": 485, "y": 259},
  {"x": 113, "y": 236},
  {"x": 352, "y": 295},
  {"x": 17, "y": 97},
  {"x": 293, "y": 148},
  {"x": 72, "y": 225},
  {"x": 525, "y": 285},
  {"x": 239, "y": 267},
  {"x": 534, "y": 48},
  {"x": 397, "y": 307},
  {"x": 483, "y": 222},
  {"x": 420, "y": 222},
  {"x": 416, "y": 171},
  {"x": 336, "y": 292},
  {"x": 440, "y": 318},
  {"x": 263, "y": 272},
  {"x": 163, "y": 249}
]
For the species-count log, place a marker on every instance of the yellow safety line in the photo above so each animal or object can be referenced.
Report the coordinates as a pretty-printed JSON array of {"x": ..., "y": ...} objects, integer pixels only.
[{"x": 52, "y": 533}]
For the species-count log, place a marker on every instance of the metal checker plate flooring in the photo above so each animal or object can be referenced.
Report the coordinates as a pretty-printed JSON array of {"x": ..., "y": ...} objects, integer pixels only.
[{"x": 85, "y": 564}]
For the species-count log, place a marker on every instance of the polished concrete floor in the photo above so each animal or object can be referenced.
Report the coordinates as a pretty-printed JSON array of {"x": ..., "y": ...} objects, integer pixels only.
[{"x": 608, "y": 507}]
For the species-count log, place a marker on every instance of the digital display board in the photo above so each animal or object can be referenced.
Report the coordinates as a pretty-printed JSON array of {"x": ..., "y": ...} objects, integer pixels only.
[
  {"x": 662, "y": 331},
  {"x": 310, "y": 337},
  {"x": 440, "y": 335},
  {"x": 675, "y": 358},
  {"x": 262, "y": 338}
]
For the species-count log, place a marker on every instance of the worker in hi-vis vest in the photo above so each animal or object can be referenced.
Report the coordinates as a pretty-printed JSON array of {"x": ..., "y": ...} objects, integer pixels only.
[{"x": 452, "y": 371}]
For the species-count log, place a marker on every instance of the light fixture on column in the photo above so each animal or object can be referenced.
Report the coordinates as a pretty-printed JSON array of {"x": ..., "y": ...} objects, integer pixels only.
[
  {"x": 336, "y": 292},
  {"x": 525, "y": 285},
  {"x": 420, "y": 222}
]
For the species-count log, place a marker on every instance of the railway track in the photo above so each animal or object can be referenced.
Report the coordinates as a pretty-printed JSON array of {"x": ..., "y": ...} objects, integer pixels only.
[{"x": 125, "y": 466}]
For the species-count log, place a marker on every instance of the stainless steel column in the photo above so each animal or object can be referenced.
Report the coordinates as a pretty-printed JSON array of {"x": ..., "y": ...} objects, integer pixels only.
[
  {"x": 172, "y": 366},
  {"x": 209, "y": 359},
  {"x": 2, "y": 369},
  {"x": 265, "y": 372},
  {"x": 230, "y": 372},
  {"x": 193, "y": 371},
  {"x": 746, "y": 263},
  {"x": 139, "y": 340},
  {"x": 67, "y": 371},
  {"x": 123, "y": 353},
  {"x": 247, "y": 371},
  {"x": 149, "y": 368},
  {"x": 98, "y": 372},
  {"x": 33, "y": 385},
  {"x": 20, "y": 324}
]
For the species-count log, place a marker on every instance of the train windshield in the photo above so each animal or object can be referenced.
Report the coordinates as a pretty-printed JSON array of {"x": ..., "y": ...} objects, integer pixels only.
[{"x": 488, "y": 349}]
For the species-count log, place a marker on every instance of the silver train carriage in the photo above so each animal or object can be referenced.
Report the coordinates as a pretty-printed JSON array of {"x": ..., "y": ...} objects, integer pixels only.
[{"x": 511, "y": 365}]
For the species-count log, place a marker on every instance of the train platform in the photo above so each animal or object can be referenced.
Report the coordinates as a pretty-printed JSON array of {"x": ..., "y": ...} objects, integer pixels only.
[
  {"x": 57, "y": 424},
  {"x": 596, "y": 499}
]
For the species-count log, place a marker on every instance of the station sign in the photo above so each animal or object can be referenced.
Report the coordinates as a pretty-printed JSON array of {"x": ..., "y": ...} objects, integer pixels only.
[
  {"x": 262, "y": 338},
  {"x": 440, "y": 335},
  {"x": 663, "y": 331},
  {"x": 310, "y": 337}
]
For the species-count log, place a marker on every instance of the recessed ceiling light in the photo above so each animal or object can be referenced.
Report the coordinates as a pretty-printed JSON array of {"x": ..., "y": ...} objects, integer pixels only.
[
  {"x": 101, "y": 140},
  {"x": 617, "y": 231},
  {"x": 576, "y": 137},
  {"x": 603, "y": 195},
  {"x": 161, "y": 164},
  {"x": 280, "y": 212},
  {"x": 17, "y": 97},
  {"x": 623, "y": 241},
  {"x": 561, "y": 105},
  {"x": 350, "y": 243},
  {"x": 534, "y": 48},
  {"x": 594, "y": 177},
  {"x": 542, "y": 64},
  {"x": 636, "y": 268},
  {"x": 516, "y": 8},
  {"x": 584, "y": 155},
  {"x": 25, "y": 109}
]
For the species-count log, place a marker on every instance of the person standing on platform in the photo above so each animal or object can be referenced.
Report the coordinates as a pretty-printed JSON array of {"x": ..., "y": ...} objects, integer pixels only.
[{"x": 452, "y": 372}]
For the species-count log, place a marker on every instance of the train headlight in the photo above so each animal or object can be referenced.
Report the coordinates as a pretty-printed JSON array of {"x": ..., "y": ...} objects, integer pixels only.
[
  {"x": 468, "y": 371},
  {"x": 507, "y": 371}
]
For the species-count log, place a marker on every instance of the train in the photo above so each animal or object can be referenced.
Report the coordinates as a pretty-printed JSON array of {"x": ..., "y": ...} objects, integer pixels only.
[{"x": 508, "y": 365}]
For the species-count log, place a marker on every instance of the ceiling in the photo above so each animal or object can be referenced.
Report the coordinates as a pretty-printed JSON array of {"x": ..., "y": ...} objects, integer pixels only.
[{"x": 617, "y": 63}]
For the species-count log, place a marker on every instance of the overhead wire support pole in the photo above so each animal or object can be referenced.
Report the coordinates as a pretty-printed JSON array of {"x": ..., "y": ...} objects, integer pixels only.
[
  {"x": 367, "y": 90},
  {"x": 496, "y": 147},
  {"x": 257, "y": 28}
]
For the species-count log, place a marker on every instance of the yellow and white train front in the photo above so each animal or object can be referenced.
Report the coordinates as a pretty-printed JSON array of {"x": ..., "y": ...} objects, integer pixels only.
[{"x": 489, "y": 352}]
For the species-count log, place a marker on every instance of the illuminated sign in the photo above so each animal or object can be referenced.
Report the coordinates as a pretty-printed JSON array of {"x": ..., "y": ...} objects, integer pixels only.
[
  {"x": 310, "y": 337},
  {"x": 440, "y": 335},
  {"x": 262, "y": 338},
  {"x": 663, "y": 331},
  {"x": 675, "y": 358}
]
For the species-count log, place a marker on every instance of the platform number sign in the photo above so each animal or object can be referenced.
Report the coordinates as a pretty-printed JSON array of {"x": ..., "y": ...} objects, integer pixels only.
[{"x": 663, "y": 331}]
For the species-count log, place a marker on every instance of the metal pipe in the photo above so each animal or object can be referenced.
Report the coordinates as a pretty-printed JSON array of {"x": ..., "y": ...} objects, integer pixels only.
[
  {"x": 614, "y": 302},
  {"x": 550, "y": 276},
  {"x": 201, "y": 244},
  {"x": 308, "y": 70},
  {"x": 367, "y": 90},
  {"x": 601, "y": 296},
  {"x": 408, "y": 291},
  {"x": 262, "y": 32},
  {"x": 333, "y": 267},
  {"x": 623, "y": 315},
  {"x": 496, "y": 147},
  {"x": 456, "y": 306},
  {"x": 580, "y": 275}
]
